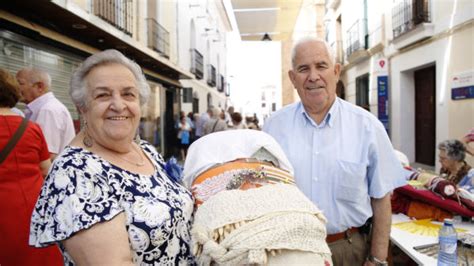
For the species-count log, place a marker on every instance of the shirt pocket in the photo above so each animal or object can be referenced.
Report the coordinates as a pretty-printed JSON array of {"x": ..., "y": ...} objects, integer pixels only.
[{"x": 351, "y": 181}]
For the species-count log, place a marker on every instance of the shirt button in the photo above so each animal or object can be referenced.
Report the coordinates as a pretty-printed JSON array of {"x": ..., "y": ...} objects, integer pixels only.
[
  {"x": 316, "y": 153},
  {"x": 315, "y": 178}
]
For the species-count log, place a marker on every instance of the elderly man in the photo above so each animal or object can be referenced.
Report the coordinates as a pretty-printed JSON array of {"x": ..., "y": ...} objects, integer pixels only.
[
  {"x": 343, "y": 158},
  {"x": 215, "y": 123},
  {"x": 45, "y": 109}
]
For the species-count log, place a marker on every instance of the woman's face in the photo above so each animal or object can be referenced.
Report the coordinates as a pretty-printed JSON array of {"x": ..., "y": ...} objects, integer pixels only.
[
  {"x": 445, "y": 162},
  {"x": 113, "y": 107}
]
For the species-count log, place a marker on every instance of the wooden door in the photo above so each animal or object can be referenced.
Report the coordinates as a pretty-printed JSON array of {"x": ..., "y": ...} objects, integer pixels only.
[{"x": 425, "y": 115}]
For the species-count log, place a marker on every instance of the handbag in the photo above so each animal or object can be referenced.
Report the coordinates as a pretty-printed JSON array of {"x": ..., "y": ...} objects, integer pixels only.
[{"x": 14, "y": 139}]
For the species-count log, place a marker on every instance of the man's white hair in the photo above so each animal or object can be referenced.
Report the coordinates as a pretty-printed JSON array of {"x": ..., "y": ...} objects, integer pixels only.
[
  {"x": 37, "y": 75},
  {"x": 308, "y": 39}
]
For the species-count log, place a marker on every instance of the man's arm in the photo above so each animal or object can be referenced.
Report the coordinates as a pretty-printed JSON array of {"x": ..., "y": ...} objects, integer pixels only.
[{"x": 382, "y": 222}]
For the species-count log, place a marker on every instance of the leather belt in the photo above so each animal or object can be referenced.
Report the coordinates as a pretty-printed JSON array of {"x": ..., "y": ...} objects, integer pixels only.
[{"x": 342, "y": 235}]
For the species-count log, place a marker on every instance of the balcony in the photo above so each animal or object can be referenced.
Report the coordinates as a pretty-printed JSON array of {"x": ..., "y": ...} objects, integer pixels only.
[
  {"x": 357, "y": 41},
  {"x": 197, "y": 66},
  {"x": 411, "y": 22},
  {"x": 221, "y": 83},
  {"x": 158, "y": 37},
  {"x": 211, "y": 75},
  {"x": 119, "y": 13}
]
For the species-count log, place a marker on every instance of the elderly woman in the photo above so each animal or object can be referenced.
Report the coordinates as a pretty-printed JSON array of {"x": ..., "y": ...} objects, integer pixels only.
[
  {"x": 451, "y": 156},
  {"x": 22, "y": 168},
  {"x": 107, "y": 199}
]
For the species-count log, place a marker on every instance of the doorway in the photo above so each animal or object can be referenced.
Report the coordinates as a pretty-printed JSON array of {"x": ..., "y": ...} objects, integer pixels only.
[
  {"x": 425, "y": 115},
  {"x": 169, "y": 124},
  {"x": 362, "y": 92}
]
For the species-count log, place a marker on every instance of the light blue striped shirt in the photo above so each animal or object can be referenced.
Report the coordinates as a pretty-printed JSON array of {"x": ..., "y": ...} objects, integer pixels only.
[{"x": 340, "y": 163}]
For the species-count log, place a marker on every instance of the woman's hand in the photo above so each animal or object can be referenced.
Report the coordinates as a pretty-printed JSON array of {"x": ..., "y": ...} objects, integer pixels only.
[{"x": 104, "y": 243}]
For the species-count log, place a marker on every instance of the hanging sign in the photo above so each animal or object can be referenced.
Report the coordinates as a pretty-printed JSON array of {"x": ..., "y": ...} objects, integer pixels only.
[
  {"x": 462, "y": 85},
  {"x": 382, "y": 100}
]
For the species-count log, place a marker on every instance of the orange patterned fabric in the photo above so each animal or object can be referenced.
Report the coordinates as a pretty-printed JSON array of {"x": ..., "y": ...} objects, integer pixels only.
[
  {"x": 239, "y": 174},
  {"x": 420, "y": 210}
]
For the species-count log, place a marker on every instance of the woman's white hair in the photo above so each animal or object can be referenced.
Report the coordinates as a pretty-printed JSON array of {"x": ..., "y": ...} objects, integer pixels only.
[
  {"x": 308, "y": 39},
  {"x": 78, "y": 90}
]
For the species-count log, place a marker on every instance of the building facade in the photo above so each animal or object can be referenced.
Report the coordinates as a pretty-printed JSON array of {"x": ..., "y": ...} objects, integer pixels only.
[
  {"x": 58, "y": 35},
  {"x": 410, "y": 63}
]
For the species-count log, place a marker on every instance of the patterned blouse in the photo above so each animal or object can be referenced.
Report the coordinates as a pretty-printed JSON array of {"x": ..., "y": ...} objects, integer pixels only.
[{"x": 83, "y": 189}]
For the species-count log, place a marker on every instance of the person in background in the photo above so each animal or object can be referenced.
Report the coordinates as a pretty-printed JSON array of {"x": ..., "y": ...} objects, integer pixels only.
[
  {"x": 467, "y": 140},
  {"x": 228, "y": 116},
  {"x": 453, "y": 166},
  {"x": 216, "y": 122},
  {"x": 201, "y": 122},
  {"x": 250, "y": 121},
  {"x": 343, "y": 159},
  {"x": 108, "y": 199},
  {"x": 192, "y": 118},
  {"x": 21, "y": 177},
  {"x": 184, "y": 136},
  {"x": 45, "y": 109},
  {"x": 237, "y": 121}
]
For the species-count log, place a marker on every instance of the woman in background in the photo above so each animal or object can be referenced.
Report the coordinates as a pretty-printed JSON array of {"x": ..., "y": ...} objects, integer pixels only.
[
  {"x": 453, "y": 166},
  {"x": 184, "y": 136},
  {"x": 21, "y": 177}
]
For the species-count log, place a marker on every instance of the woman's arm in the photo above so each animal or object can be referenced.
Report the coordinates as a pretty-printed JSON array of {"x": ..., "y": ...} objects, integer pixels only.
[
  {"x": 104, "y": 243},
  {"x": 44, "y": 166}
]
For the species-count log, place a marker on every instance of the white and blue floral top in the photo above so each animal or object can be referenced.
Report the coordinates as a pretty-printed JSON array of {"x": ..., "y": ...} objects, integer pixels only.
[{"x": 83, "y": 189}]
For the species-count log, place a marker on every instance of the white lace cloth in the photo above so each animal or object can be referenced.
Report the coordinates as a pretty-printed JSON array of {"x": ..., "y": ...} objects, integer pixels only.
[
  {"x": 225, "y": 146},
  {"x": 273, "y": 222}
]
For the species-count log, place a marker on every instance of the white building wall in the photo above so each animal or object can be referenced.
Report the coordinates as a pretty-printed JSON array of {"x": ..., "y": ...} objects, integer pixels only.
[
  {"x": 449, "y": 48},
  {"x": 210, "y": 43},
  {"x": 452, "y": 53}
]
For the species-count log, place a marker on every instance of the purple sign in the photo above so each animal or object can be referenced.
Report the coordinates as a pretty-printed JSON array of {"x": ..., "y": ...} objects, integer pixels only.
[{"x": 382, "y": 100}]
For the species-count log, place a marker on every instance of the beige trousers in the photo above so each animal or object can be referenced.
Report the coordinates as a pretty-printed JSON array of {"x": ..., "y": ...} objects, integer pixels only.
[{"x": 345, "y": 253}]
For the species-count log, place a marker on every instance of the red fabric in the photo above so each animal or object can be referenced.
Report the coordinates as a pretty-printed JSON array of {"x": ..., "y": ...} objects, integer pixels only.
[
  {"x": 20, "y": 184},
  {"x": 435, "y": 200}
]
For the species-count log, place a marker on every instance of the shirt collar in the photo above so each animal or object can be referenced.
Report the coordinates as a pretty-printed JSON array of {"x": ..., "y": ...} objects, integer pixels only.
[
  {"x": 328, "y": 119},
  {"x": 38, "y": 102}
]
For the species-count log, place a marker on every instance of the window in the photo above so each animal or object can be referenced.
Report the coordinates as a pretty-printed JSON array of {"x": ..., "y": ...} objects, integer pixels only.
[{"x": 187, "y": 95}]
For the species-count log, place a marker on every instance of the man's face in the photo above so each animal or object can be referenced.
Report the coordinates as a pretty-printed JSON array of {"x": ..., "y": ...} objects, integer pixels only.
[
  {"x": 315, "y": 77},
  {"x": 28, "y": 90}
]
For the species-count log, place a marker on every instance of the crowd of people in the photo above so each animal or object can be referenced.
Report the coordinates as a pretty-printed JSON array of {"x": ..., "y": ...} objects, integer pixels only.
[
  {"x": 103, "y": 196},
  {"x": 193, "y": 126}
]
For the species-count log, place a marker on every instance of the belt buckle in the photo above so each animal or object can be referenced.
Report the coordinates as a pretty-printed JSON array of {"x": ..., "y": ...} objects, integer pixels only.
[{"x": 348, "y": 235}]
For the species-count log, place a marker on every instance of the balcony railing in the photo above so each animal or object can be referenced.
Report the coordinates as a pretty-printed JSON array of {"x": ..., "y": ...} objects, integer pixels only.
[
  {"x": 211, "y": 75},
  {"x": 220, "y": 83},
  {"x": 197, "y": 66},
  {"x": 357, "y": 37},
  {"x": 407, "y": 14},
  {"x": 116, "y": 12},
  {"x": 158, "y": 38}
]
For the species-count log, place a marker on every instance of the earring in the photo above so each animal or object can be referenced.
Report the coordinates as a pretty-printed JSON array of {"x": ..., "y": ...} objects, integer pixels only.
[
  {"x": 137, "y": 139},
  {"x": 87, "y": 140}
]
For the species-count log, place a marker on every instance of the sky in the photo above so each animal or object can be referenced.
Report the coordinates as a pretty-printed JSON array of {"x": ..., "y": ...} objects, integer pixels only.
[{"x": 252, "y": 65}]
